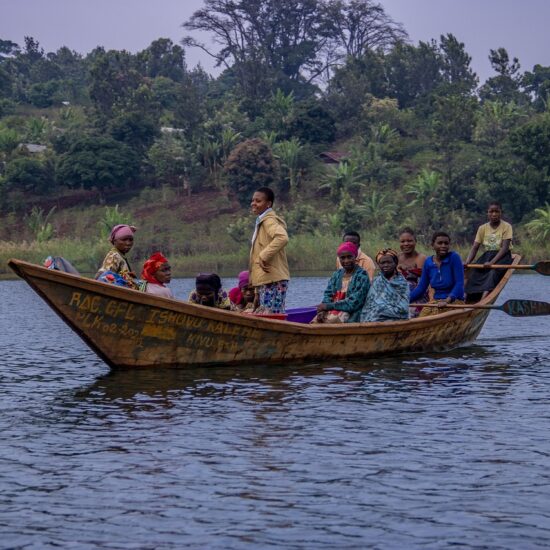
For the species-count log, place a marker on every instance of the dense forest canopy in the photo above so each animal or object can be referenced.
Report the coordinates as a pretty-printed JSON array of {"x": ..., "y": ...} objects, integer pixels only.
[{"x": 418, "y": 138}]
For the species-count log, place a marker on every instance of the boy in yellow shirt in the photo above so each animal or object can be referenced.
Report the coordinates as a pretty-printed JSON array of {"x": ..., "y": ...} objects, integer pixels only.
[{"x": 496, "y": 238}]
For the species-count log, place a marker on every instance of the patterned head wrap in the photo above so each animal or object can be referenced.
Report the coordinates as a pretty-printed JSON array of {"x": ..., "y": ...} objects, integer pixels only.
[
  {"x": 151, "y": 266},
  {"x": 210, "y": 280},
  {"x": 388, "y": 252},
  {"x": 348, "y": 248},
  {"x": 244, "y": 279},
  {"x": 121, "y": 231}
]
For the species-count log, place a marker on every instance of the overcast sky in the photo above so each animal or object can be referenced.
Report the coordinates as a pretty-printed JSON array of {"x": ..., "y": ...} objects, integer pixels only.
[{"x": 521, "y": 26}]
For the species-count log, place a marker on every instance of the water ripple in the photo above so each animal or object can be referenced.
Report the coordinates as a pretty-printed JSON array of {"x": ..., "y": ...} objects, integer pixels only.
[{"x": 422, "y": 451}]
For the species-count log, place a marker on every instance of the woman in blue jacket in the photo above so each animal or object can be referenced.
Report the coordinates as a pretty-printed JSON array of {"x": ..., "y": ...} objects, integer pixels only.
[{"x": 444, "y": 273}]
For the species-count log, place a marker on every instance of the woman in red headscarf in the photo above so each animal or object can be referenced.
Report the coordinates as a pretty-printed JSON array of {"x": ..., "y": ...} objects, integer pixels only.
[
  {"x": 156, "y": 274},
  {"x": 346, "y": 291}
]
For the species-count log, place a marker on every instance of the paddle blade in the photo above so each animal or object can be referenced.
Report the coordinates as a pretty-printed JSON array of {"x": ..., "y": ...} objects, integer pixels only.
[
  {"x": 542, "y": 267},
  {"x": 525, "y": 308}
]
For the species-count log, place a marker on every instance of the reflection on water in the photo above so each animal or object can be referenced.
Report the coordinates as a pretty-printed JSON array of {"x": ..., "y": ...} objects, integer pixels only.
[{"x": 416, "y": 451}]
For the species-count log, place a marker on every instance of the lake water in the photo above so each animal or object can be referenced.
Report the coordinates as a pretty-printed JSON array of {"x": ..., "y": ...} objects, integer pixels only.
[{"x": 420, "y": 451}]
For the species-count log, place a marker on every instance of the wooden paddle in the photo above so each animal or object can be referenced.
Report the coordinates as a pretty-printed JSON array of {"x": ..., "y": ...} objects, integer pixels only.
[
  {"x": 540, "y": 267},
  {"x": 515, "y": 308}
]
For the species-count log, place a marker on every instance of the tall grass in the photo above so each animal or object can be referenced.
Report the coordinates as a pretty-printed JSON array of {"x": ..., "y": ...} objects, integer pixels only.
[{"x": 204, "y": 251}]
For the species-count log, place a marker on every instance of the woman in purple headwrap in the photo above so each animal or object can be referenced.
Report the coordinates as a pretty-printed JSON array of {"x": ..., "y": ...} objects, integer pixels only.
[
  {"x": 115, "y": 268},
  {"x": 209, "y": 292},
  {"x": 346, "y": 291},
  {"x": 242, "y": 296}
]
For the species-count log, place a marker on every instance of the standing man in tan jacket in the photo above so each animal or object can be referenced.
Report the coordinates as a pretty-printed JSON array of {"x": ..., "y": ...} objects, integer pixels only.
[{"x": 269, "y": 272}]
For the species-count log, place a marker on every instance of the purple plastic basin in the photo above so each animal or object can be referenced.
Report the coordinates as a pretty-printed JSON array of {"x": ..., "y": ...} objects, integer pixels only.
[{"x": 301, "y": 314}]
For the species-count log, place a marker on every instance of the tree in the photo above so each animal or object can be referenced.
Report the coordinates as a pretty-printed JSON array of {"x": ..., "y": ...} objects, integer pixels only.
[
  {"x": 136, "y": 129},
  {"x": 264, "y": 41},
  {"x": 413, "y": 72},
  {"x": 537, "y": 85},
  {"x": 343, "y": 180},
  {"x": 377, "y": 208},
  {"x": 363, "y": 26},
  {"x": 424, "y": 189},
  {"x": 531, "y": 142},
  {"x": 312, "y": 122},
  {"x": 40, "y": 224},
  {"x": 279, "y": 111},
  {"x": 8, "y": 50},
  {"x": 353, "y": 85},
  {"x": 100, "y": 162},
  {"x": 9, "y": 140},
  {"x": 348, "y": 213},
  {"x": 172, "y": 159},
  {"x": 112, "y": 78},
  {"x": 42, "y": 95},
  {"x": 112, "y": 216},
  {"x": 504, "y": 177},
  {"x": 28, "y": 175},
  {"x": 505, "y": 86},
  {"x": 456, "y": 66},
  {"x": 290, "y": 155},
  {"x": 162, "y": 58},
  {"x": 494, "y": 122},
  {"x": 453, "y": 122},
  {"x": 539, "y": 228},
  {"x": 250, "y": 165}
]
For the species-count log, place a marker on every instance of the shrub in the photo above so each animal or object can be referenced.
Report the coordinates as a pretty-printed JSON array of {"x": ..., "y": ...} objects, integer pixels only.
[{"x": 250, "y": 165}]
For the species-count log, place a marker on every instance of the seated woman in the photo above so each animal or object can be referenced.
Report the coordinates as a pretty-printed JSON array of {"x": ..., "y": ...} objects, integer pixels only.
[
  {"x": 346, "y": 290},
  {"x": 115, "y": 268},
  {"x": 209, "y": 292},
  {"x": 242, "y": 296},
  {"x": 411, "y": 263},
  {"x": 496, "y": 239},
  {"x": 156, "y": 274},
  {"x": 388, "y": 298},
  {"x": 444, "y": 273}
]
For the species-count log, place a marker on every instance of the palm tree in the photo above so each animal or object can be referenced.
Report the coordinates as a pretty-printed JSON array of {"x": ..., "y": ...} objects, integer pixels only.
[
  {"x": 269, "y": 137},
  {"x": 424, "y": 188},
  {"x": 540, "y": 226},
  {"x": 282, "y": 106},
  {"x": 377, "y": 207},
  {"x": 344, "y": 179},
  {"x": 289, "y": 153},
  {"x": 40, "y": 224},
  {"x": 382, "y": 134},
  {"x": 210, "y": 153},
  {"x": 230, "y": 138},
  {"x": 35, "y": 129},
  {"x": 9, "y": 140}
]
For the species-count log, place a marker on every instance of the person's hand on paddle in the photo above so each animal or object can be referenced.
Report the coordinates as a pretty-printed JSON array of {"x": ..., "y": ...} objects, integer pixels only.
[
  {"x": 487, "y": 265},
  {"x": 264, "y": 265}
]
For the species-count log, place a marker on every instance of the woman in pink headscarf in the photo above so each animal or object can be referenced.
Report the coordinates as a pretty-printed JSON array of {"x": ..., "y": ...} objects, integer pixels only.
[
  {"x": 115, "y": 268},
  {"x": 346, "y": 291},
  {"x": 242, "y": 296}
]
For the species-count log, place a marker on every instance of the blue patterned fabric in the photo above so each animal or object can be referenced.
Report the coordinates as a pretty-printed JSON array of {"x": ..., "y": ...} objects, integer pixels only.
[
  {"x": 388, "y": 300},
  {"x": 356, "y": 294},
  {"x": 273, "y": 296},
  {"x": 113, "y": 278}
]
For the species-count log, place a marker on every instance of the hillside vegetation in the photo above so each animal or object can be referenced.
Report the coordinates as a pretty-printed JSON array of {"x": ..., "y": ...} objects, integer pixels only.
[{"x": 90, "y": 141}]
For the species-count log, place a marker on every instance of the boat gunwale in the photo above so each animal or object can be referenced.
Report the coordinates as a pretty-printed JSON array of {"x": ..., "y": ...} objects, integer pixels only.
[{"x": 27, "y": 271}]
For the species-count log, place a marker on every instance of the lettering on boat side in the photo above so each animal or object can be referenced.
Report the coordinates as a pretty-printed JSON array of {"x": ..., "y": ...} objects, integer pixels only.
[
  {"x": 97, "y": 322},
  {"x": 136, "y": 322}
]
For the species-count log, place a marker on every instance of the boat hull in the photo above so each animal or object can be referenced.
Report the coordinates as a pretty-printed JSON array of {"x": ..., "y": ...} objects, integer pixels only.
[{"x": 127, "y": 328}]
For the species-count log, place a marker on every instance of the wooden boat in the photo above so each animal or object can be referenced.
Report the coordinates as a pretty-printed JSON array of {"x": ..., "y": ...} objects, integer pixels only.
[{"x": 127, "y": 328}]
